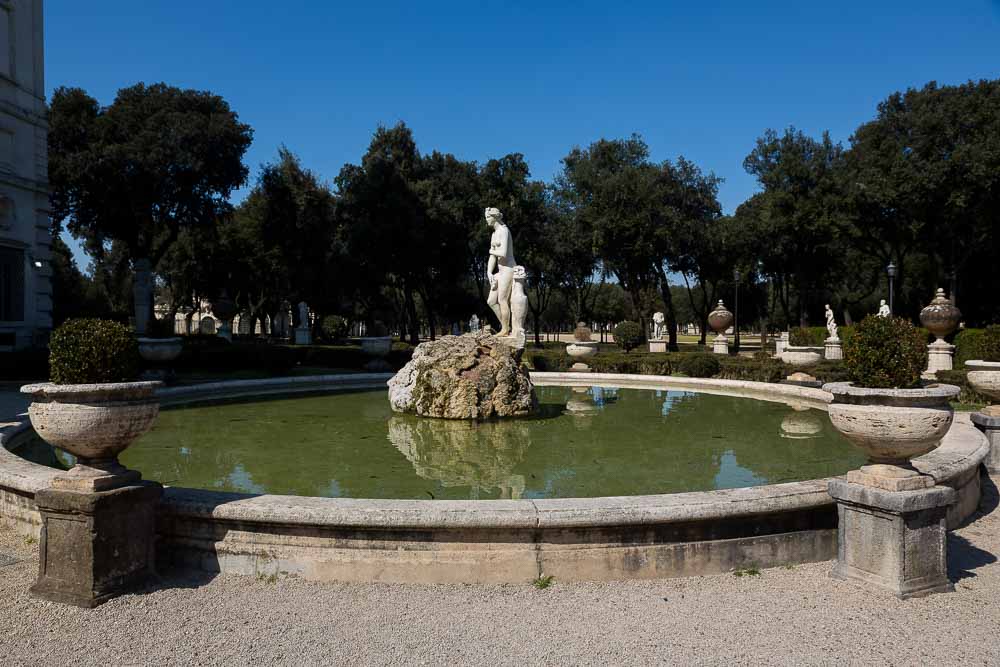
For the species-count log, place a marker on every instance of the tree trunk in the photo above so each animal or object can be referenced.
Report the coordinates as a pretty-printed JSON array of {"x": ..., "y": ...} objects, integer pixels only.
[{"x": 411, "y": 319}]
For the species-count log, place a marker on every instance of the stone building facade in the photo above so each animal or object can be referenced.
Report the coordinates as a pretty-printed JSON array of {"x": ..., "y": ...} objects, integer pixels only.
[{"x": 25, "y": 231}]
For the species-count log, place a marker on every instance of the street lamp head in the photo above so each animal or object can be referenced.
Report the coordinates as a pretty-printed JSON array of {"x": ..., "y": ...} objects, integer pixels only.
[
  {"x": 736, "y": 275},
  {"x": 891, "y": 269}
]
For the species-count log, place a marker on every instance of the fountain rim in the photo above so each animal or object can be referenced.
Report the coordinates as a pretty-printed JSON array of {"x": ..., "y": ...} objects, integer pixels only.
[{"x": 963, "y": 448}]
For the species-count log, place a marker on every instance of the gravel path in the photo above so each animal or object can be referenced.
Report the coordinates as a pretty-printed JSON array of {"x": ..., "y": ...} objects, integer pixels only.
[{"x": 783, "y": 616}]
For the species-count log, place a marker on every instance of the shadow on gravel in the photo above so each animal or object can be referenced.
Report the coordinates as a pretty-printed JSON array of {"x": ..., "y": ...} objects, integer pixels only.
[{"x": 963, "y": 556}]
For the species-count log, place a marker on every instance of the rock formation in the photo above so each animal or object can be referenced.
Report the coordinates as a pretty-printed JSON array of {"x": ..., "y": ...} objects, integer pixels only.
[{"x": 476, "y": 376}]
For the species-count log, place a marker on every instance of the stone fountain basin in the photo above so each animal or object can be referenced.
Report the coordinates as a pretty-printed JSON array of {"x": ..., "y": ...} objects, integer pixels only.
[{"x": 573, "y": 539}]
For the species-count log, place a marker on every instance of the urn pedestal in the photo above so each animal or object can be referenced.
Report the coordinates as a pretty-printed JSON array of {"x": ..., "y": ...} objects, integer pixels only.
[
  {"x": 98, "y": 519},
  {"x": 940, "y": 357},
  {"x": 95, "y": 546},
  {"x": 990, "y": 426},
  {"x": 892, "y": 532},
  {"x": 661, "y": 346},
  {"x": 893, "y": 540}
]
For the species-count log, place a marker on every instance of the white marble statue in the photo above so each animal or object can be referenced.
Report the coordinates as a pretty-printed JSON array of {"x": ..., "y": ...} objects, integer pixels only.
[
  {"x": 883, "y": 309},
  {"x": 658, "y": 327},
  {"x": 831, "y": 324},
  {"x": 501, "y": 273},
  {"x": 474, "y": 324}
]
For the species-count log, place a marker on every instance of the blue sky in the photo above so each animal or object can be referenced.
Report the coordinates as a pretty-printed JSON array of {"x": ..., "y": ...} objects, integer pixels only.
[{"x": 482, "y": 79}]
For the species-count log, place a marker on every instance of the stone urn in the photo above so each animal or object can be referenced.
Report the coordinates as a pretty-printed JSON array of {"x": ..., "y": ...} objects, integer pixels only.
[
  {"x": 984, "y": 376},
  {"x": 160, "y": 350},
  {"x": 720, "y": 318},
  {"x": 94, "y": 423},
  {"x": 940, "y": 317},
  {"x": 891, "y": 426},
  {"x": 224, "y": 309},
  {"x": 158, "y": 353},
  {"x": 582, "y": 347}
]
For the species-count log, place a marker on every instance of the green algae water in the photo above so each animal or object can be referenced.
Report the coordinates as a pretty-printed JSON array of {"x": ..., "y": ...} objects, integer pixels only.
[{"x": 585, "y": 442}]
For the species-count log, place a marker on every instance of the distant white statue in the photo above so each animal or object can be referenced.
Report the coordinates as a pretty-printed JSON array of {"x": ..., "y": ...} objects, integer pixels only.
[
  {"x": 658, "y": 327},
  {"x": 831, "y": 324},
  {"x": 474, "y": 324},
  {"x": 883, "y": 309},
  {"x": 507, "y": 297}
]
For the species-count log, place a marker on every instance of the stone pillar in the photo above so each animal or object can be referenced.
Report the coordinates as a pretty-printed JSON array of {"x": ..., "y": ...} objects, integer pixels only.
[
  {"x": 96, "y": 545},
  {"x": 781, "y": 343},
  {"x": 894, "y": 540},
  {"x": 832, "y": 349},
  {"x": 940, "y": 357},
  {"x": 720, "y": 344},
  {"x": 990, "y": 426}
]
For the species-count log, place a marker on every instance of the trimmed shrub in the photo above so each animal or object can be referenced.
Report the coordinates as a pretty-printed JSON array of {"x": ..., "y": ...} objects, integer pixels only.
[
  {"x": 966, "y": 343},
  {"x": 628, "y": 335},
  {"x": 989, "y": 343},
  {"x": 759, "y": 369},
  {"x": 701, "y": 365},
  {"x": 334, "y": 328},
  {"x": 885, "y": 353},
  {"x": 829, "y": 371},
  {"x": 807, "y": 336},
  {"x": 89, "y": 351}
]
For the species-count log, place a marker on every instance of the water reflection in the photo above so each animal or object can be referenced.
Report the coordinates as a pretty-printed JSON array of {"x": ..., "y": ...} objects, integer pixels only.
[
  {"x": 464, "y": 454},
  {"x": 801, "y": 423}
]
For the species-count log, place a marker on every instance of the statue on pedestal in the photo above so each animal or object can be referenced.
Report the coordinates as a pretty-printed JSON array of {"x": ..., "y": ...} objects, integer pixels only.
[
  {"x": 507, "y": 297},
  {"x": 658, "y": 320},
  {"x": 831, "y": 324},
  {"x": 883, "y": 309}
]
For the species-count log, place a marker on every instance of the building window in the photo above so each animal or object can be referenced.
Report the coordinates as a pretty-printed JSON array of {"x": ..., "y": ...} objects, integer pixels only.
[
  {"x": 6, "y": 212},
  {"x": 11, "y": 284},
  {"x": 6, "y": 150},
  {"x": 6, "y": 45}
]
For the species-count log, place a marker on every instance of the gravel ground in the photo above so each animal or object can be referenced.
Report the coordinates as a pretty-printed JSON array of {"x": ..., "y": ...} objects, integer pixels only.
[{"x": 782, "y": 616}]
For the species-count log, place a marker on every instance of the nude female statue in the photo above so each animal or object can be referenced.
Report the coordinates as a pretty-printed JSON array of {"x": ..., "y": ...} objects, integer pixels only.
[{"x": 500, "y": 270}]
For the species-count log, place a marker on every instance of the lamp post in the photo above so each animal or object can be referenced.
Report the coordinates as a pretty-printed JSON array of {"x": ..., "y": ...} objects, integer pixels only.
[
  {"x": 736, "y": 313},
  {"x": 891, "y": 270}
]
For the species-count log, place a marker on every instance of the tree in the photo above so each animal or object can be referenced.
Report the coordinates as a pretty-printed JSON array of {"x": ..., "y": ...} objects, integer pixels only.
[
  {"x": 155, "y": 161},
  {"x": 637, "y": 210},
  {"x": 924, "y": 183},
  {"x": 800, "y": 212}
]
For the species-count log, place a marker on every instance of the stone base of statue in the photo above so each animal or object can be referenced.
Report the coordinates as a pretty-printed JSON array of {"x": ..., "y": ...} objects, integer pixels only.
[
  {"x": 475, "y": 376},
  {"x": 658, "y": 346},
  {"x": 720, "y": 344},
  {"x": 990, "y": 426},
  {"x": 516, "y": 340},
  {"x": 303, "y": 336},
  {"x": 832, "y": 349},
  {"x": 892, "y": 540},
  {"x": 940, "y": 357},
  {"x": 781, "y": 343},
  {"x": 95, "y": 546}
]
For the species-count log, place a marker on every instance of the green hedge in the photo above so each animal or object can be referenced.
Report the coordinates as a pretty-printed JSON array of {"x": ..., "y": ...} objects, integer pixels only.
[
  {"x": 960, "y": 378},
  {"x": 703, "y": 365},
  {"x": 967, "y": 345},
  {"x": 816, "y": 336},
  {"x": 757, "y": 369},
  {"x": 637, "y": 363}
]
